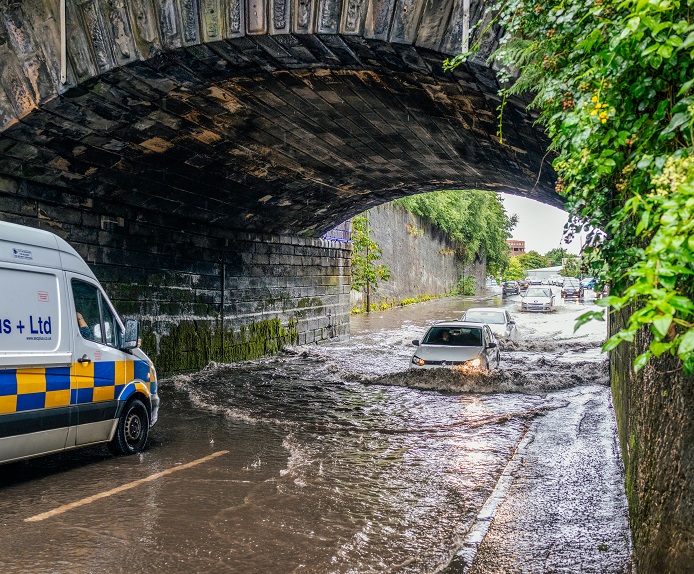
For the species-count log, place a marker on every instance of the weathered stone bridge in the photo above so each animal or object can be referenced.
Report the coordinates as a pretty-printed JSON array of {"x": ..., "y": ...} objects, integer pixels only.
[{"x": 193, "y": 150}]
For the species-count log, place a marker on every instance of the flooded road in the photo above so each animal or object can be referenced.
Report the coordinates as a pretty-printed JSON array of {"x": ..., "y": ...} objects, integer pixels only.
[{"x": 340, "y": 460}]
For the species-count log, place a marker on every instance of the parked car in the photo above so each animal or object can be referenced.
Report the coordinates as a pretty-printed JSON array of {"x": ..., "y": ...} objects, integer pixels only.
[
  {"x": 604, "y": 292},
  {"x": 499, "y": 320},
  {"x": 524, "y": 283},
  {"x": 535, "y": 281},
  {"x": 458, "y": 345},
  {"x": 537, "y": 299},
  {"x": 510, "y": 288},
  {"x": 571, "y": 288},
  {"x": 588, "y": 282},
  {"x": 556, "y": 280}
]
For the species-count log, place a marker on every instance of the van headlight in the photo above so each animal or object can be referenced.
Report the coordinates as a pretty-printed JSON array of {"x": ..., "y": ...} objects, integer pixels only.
[
  {"x": 476, "y": 362},
  {"x": 418, "y": 361}
]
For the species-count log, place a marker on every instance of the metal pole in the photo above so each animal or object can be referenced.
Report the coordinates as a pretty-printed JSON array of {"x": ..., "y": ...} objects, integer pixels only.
[
  {"x": 63, "y": 45},
  {"x": 466, "y": 25},
  {"x": 221, "y": 310}
]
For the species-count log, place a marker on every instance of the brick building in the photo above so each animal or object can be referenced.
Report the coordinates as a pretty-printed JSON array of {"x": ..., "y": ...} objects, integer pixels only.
[{"x": 517, "y": 246}]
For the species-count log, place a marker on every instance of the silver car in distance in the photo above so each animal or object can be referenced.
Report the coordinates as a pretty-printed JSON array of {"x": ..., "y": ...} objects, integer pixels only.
[
  {"x": 500, "y": 322},
  {"x": 538, "y": 299},
  {"x": 457, "y": 345}
]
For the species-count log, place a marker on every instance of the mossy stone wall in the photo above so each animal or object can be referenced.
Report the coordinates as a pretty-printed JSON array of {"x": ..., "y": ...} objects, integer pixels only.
[
  {"x": 421, "y": 258},
  {"x": 201, "y": 292},
  {"x": 655, "y": 417}
]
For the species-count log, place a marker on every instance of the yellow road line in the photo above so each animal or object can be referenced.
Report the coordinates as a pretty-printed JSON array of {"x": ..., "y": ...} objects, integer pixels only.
[{"x": 128, "y": 486}]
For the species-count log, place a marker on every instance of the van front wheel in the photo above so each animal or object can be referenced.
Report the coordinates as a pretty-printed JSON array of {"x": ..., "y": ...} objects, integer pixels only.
[{"x": 132, "y": 430}]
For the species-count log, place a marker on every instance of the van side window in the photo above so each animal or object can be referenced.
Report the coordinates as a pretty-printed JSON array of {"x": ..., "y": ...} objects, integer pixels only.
[
  {"x": 87, "y": 309},
  {"x": 93, "y": 313},
  {"x": 110, "y": 325}
]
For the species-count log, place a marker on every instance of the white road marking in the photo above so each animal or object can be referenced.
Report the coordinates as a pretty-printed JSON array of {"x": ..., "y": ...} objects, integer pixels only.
[
  {"x": 478, "y": 530},
  {"x": 118, "y": 489}
]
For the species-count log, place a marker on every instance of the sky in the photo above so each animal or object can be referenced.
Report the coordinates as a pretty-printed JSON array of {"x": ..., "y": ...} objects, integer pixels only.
[{"x": 540, "y": 226}]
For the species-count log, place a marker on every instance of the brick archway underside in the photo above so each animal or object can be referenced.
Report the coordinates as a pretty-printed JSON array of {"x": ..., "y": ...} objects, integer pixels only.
[{"x": 282, "y": 134}]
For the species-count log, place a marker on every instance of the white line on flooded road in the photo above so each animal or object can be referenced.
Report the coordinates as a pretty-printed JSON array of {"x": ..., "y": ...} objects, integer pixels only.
[{"x": 128, "y": 486}]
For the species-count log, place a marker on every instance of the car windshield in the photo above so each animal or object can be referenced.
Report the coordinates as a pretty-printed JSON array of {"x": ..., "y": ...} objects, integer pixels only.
[
  {"x": 490, "y": 317},
  {"x": 571, "y": 283},
  {"x": 538, "y": 292},
  {"x": 454, "y": 336}
]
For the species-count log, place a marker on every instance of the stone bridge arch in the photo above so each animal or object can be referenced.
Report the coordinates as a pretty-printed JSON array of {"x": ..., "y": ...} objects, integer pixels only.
[{"x": 206, "y": 143}]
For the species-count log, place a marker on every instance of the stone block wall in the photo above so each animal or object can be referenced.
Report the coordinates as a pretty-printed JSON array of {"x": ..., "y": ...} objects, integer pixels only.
[
  {"x": 421, "y": 258},
  {"x": 655, "y": 418},
  {"x": 185, "y": 281}
]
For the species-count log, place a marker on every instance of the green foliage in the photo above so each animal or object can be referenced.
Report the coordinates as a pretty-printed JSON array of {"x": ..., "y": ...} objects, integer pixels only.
[
  {"x": 613, "y": 83},
  {"x": 572, "y": 267},
  {"x": 532, "y": 260},
  {"x": 514, "y": 271},
  {"x": 476, "y": 220},
  {"x": 465, "y": 286},
  {"x": 365, "y": 252},
  {"x": 556, "y": 255}
]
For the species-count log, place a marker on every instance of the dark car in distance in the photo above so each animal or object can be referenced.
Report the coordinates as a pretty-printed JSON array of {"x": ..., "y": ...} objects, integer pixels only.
[
  {"x": 572, "y": 288},
  {"x": 510, "y": 288},
  {"x": 524, "y": 283}
]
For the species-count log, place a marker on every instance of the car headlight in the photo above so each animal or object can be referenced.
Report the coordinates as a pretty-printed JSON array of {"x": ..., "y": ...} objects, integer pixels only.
[
  {"x": 418, "y": 361},
  {"x": 476, "y": 362}
]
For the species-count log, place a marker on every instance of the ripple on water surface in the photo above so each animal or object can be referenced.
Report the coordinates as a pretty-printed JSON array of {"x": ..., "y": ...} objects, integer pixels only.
[{"x": 382, "y": 474}]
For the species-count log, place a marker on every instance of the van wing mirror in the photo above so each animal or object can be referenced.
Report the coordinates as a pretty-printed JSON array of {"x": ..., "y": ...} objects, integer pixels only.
[{"x": 132, "y": 334}]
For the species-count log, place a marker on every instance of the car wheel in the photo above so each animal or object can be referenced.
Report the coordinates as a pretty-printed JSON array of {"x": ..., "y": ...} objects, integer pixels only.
[{"x": 132, "y": 430}]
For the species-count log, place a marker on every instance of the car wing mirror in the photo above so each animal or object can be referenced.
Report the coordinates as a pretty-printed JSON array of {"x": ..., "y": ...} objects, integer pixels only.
[
  {"x": 492, "y": 345},
  {"x": 131, "y": 339},
  {"x": 415, "y": 342}
]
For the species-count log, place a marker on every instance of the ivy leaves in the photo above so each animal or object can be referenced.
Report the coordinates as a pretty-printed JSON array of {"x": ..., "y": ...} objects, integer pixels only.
[
  {"x": 474, "y": 219},
  {"x": 613, "y": 82}
]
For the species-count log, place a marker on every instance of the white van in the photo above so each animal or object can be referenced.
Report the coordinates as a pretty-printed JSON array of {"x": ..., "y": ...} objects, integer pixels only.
[{"x": 71, "y": 374}]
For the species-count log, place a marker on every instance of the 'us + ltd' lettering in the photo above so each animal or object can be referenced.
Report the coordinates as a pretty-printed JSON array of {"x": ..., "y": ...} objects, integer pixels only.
[{"x": 34, "y": 326}]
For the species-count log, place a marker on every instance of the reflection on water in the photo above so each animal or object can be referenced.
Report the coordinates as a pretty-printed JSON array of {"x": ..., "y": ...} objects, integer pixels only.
[{"x": 382, "y": 474}]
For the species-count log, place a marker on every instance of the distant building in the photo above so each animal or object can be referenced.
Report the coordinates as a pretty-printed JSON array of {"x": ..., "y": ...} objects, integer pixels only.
[
  {"x": 517, "y": 246},
  {"x": 544, "y": 272}
]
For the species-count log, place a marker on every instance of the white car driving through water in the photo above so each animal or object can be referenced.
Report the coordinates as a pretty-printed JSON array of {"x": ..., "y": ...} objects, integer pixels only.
[
  {"x": 500, "y": 322},
  {"x": 537, "y": 299},
  {"x": 458, "y": 345}
]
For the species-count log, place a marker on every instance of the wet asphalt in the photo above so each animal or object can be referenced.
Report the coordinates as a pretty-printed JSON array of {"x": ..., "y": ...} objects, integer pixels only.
[{"x": 338, "y": 458}]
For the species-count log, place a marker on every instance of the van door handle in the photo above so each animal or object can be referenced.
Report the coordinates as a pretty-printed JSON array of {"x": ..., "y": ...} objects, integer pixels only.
[{"x": 84, "y": 359}]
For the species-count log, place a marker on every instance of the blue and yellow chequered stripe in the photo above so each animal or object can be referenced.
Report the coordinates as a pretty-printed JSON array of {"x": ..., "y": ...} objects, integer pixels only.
[{"x": 39, "y": 388}]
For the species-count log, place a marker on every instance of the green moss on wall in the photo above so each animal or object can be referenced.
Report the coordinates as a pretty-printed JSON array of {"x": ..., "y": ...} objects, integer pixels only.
[{"x": 190, "y": 345}]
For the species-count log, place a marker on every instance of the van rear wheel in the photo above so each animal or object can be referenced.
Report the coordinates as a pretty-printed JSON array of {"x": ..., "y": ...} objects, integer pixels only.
[{"x": 132, "y": 430}]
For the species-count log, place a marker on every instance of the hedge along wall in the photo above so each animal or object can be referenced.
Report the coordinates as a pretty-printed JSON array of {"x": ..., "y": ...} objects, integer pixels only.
[
  {"x": 421, "y": 259},
  {"x": 655, "y": 417},
  {"x": 202, "y": 293}
]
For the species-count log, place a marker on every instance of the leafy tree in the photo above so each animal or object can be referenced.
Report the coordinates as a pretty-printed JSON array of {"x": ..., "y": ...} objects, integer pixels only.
[
  {"x": 476, "y": 220},
  {"x": 365, "y": 252},
  {"x": 532, "y": 260},
  {"x": 515, "y": 270},
  {"x": 613, "y": 83},
  {"x": 556, "y": 256},
  {"x": 572, "y": 267}
]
